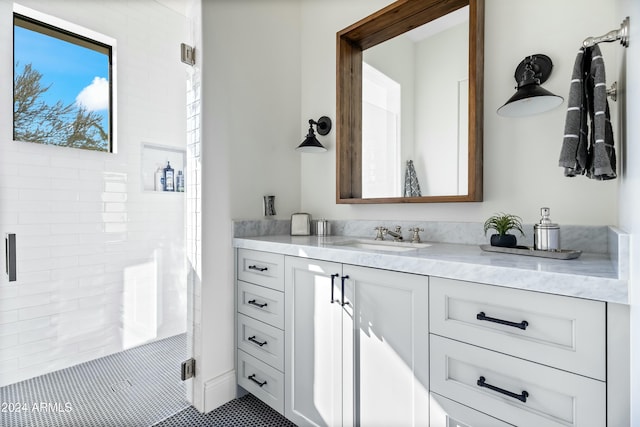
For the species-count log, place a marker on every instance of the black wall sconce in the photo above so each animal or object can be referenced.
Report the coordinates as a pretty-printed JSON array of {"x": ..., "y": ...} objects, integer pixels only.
[
  {"x": 311, "y": 143},
  {"x": 530, "y": 98}
]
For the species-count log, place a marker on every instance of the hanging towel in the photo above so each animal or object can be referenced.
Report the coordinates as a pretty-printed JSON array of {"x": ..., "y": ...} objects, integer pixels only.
[
  {"x": 587, "y": 151},
  {"x": 601, "y": 159},
  {"x": 411, "y": 185}
]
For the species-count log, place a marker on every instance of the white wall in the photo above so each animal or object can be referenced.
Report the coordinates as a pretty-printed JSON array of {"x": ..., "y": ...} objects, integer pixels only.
[
  {"x": 630, "y": 183},
  {"x": 270, "y": 66},
  {"x": 100, "y": 262},
  {"x": 520, "y": 155},
  {"x": 251, "y": 126},
  {"x": 396, "y": 59},
  {"x": 442, "y": 66}
]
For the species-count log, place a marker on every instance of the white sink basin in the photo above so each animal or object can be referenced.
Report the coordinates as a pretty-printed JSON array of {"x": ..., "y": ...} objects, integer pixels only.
[{"x": 381, "y": 245}]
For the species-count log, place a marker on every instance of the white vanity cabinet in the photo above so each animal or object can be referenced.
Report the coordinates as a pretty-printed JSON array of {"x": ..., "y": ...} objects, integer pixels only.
[
  {"x": 260, "y": 325},
  {"x": 357, "y": 345},
  {"x": 334, "y": 344},
  {"x": 526, "y": 358}
]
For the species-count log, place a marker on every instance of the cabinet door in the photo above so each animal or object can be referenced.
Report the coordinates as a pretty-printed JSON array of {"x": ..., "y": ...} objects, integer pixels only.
[
  {"x": 387, "y": 357},
  {"x": 313, "y": 343}
]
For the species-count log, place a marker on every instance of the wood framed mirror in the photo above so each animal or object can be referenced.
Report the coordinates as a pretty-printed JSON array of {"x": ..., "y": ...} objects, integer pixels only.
[{"x": 390, "y": 128}]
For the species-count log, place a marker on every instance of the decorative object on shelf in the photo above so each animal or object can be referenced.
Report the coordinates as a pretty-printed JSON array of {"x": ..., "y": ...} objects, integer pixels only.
[
  {"x": 311, "y": 143},
  {"x": 168, "y": 178},
  {"x": 502, "y": 223},
  {"x": 546, "y": 235},
  {"x": 269, "y": 205},
  {"x": 530, "y": 98}
]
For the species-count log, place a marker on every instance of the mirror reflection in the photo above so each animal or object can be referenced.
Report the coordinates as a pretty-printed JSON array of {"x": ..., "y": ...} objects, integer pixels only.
[{"x": 415, "y": 104}]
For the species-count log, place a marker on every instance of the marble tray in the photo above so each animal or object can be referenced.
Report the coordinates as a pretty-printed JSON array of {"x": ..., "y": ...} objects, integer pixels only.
[{"x": 526, "y": 250}]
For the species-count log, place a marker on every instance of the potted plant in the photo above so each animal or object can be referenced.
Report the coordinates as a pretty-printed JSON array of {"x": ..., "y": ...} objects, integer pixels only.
[{"x": 502, "y": 223}]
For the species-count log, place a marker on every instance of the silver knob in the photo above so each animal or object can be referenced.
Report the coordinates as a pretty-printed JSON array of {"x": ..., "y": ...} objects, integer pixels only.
[{"x": 416, "y": 234}]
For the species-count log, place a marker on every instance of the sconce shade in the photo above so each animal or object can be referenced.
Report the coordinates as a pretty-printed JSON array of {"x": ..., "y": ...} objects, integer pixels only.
[
  {"x": 311, "y": 143},
  {"x": 531, "y": 98}
]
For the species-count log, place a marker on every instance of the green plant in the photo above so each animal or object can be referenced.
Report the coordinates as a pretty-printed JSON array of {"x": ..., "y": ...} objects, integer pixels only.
[{"x": 502, "y": 223}]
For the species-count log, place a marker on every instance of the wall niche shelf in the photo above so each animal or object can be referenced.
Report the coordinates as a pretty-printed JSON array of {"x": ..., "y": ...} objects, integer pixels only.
[{"x": 154, "y": 156}]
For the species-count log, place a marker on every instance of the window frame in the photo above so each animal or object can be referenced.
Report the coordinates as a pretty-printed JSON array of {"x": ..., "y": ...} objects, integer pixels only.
[{"x": 51, "y": 26}]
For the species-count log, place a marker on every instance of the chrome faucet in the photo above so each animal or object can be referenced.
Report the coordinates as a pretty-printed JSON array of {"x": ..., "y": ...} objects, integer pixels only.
[{"x": 397, "y": 235}]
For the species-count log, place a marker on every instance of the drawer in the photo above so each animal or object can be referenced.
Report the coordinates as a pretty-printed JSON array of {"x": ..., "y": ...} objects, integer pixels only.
[
  {"x": 261, "y": 380},
  {"x": 261, "y": 303},
  {"x": 447, "y": 413},
  {"x": 261, "y": 268},
  {"x": 563, "y": 332},
  {"x": 261, "y": 341},
  {"x": 540, "y": 395}
]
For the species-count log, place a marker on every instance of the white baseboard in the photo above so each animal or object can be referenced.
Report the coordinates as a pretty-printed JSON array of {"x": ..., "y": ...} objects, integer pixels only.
[{"x": 219, "y": 390}]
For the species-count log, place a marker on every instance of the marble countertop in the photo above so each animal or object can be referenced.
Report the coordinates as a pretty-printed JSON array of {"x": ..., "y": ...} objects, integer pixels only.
[{"x": 592, "y": 276}]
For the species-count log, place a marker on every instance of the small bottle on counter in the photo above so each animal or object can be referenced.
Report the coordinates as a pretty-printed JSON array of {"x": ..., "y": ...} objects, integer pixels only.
[
  {"x": 180, "y": 182},
  {"x": 546, "y": 235},
  {"x": 168, "y": 178},
  {"x": 159, "y": 179}
]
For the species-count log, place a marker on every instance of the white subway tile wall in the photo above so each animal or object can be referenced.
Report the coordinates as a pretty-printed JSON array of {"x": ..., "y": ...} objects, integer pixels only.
[{"x": 101, "y": 264}]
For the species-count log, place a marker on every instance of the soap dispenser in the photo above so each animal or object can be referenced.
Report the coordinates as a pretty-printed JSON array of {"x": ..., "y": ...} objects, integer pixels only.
[{"x": 546, "y": 235}]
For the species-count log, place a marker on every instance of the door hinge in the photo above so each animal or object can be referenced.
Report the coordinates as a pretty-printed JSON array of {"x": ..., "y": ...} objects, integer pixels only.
[
  {"x": 188, "y": 369},
  {"x": 187, "y": 54}
]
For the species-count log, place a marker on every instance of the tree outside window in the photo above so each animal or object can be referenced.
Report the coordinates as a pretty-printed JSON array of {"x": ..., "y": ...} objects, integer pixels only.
[{"x": 61, "y": 87}]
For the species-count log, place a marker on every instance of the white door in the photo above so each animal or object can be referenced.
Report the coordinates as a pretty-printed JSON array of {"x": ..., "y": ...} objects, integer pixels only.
[
  {"x": 313, "y": 347},
  {"x": 388, "y": 352}
]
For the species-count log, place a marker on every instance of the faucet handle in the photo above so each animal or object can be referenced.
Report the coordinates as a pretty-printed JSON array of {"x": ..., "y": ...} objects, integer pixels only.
[
  {"x": 380, "y": 232},
  {"x": 398, "y": 228},
  {"x": 416, "y": 234}
]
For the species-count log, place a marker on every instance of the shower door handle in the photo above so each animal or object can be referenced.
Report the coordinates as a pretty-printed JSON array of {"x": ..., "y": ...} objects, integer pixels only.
[{"x": 10, "y": 255}]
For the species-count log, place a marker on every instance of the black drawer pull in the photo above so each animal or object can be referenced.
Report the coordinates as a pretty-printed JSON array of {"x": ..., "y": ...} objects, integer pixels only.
[
  {"x": 255, "y": 267},
  {"x": 253, "y": 339},
  {"x": 252, "y": 377},
  {"x": 522, "y": 325},
  {"x": 257, "y": 304},
  {"x": 522, "y": 397}
]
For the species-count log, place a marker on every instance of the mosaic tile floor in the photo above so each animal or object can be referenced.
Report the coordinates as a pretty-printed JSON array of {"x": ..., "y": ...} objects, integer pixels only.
[
  {"x": 136, "y": 387},
  {"x": 140, "y": 387},
  {"x": 246, "y": 411}
]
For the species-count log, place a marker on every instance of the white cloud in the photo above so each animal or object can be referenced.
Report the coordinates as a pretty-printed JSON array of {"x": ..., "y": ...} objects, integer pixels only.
[{"x": 94, "y": 97}]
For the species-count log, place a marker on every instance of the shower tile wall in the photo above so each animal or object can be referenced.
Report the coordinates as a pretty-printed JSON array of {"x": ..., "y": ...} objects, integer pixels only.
[{"x": 101, "y": 263}]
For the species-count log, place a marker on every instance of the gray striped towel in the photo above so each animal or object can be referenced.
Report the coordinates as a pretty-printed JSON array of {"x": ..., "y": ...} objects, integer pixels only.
[
  {"x": 588, "y": 151},
  {"x": 411, "y": 185}
]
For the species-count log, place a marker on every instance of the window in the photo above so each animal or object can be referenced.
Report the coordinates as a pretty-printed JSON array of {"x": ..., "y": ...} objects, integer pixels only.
[{"x": 62, "y": 86}]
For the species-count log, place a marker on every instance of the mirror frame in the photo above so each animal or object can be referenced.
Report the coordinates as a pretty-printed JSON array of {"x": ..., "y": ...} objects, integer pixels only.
[{"x": 389, "y": 22}]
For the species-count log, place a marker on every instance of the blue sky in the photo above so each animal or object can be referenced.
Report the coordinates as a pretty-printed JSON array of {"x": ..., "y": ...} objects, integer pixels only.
[{"x": 71, "y": 68}]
